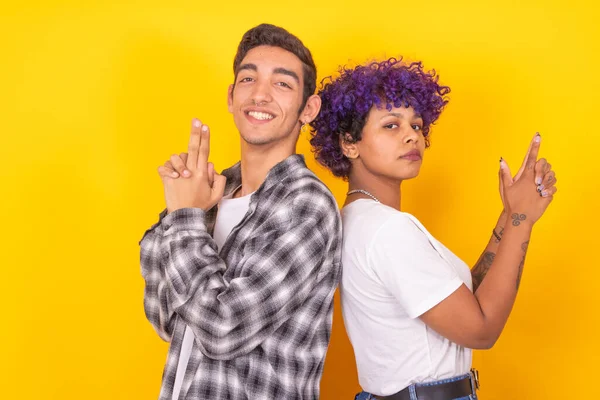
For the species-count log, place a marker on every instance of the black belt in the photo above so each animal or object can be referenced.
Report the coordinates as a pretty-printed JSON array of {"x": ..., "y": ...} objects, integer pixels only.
[{"x": 443, "y": 391}]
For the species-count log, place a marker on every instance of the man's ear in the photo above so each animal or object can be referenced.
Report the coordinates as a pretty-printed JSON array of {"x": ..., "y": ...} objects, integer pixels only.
[
  {"x": 311, "y": 109},
  {"x": 349, "y": 146},
  {"x": 230, "y": 99}
]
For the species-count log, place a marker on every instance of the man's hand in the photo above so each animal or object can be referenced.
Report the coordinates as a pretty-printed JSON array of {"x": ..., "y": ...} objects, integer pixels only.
[
  {"x": 203, "y": 187},
  {"x": 175, "y": 167}
]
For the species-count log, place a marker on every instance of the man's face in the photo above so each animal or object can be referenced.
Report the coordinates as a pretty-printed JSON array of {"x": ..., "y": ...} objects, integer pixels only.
[{"x": 265, "y": 100}]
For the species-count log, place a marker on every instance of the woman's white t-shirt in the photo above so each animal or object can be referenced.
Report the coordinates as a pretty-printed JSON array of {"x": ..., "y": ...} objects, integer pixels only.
[{"x": 394, "y": 271}]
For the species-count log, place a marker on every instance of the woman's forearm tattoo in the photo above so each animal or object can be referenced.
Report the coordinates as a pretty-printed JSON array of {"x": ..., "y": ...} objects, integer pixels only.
[
  {"x": 524, "y": 247},
  {"x": 517, "y": 218},
  {"x": 481, "y": 268}
]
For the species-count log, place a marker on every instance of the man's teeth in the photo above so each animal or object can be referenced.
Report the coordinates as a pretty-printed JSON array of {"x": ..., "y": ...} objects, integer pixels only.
[{"x": 260, "y": 115}]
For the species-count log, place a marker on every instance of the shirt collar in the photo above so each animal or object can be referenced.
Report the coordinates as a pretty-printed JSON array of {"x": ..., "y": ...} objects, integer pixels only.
[{"x": 277, "y": 174}]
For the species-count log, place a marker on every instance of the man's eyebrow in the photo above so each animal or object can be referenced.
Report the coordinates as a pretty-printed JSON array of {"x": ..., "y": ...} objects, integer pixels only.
[
  {"x": 249, "y": 66},
  {"x": 287, "y": 72}
]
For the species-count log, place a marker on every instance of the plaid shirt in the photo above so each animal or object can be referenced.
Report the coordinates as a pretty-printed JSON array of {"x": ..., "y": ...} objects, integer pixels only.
[{"x": 261, "y": 308}]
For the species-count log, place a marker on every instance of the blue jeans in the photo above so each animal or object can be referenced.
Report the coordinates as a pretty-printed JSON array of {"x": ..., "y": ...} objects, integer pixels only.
[{"x": 413, "y": 395}]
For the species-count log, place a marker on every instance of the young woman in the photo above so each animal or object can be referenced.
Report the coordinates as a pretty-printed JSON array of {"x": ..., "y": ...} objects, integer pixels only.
[{"x": 412, "y": 309}]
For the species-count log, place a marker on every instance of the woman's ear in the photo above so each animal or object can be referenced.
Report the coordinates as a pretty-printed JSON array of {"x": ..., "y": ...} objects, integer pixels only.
[{"x": 349, "y": 146}]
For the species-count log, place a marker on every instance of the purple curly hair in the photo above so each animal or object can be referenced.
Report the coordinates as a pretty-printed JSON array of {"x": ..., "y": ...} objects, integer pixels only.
[{"x": 347, "y": 100}]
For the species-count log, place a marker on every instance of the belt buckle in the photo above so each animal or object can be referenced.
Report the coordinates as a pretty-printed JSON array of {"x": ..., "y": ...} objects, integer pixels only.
[{"x": 475, "y": 378}]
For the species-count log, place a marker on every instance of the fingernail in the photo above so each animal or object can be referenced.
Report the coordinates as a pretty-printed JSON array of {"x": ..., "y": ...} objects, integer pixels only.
[
  {"x": 174, "y": 174},
  {"x": 538, "y": 181},
  {"x": 196, "y": 123},
  {"x": 538, "y": 138},
  {"x": 205, "y": 128},
  {"x": 186, "y": 173},
  {"x": 544, "y": 194}
]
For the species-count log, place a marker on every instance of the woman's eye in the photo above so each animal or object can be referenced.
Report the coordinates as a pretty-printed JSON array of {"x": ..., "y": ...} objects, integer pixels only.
[
  {"x": 417, "y": 127},
  {"x": 390, "y": 126}
]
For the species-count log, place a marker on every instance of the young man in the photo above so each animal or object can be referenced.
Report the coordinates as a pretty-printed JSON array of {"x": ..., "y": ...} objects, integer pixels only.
[{"x": 241, "y": 268}]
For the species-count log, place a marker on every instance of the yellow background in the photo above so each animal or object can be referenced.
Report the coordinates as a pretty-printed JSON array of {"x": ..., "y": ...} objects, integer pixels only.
[{"x": 95, "y": 95}]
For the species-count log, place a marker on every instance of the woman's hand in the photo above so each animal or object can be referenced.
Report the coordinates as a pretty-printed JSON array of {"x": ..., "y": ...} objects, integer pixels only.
[{"x": 527, "y": 195}]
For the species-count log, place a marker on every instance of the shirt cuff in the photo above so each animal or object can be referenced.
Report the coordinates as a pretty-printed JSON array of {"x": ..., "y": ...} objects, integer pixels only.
[{"x": 184, "y": 219}]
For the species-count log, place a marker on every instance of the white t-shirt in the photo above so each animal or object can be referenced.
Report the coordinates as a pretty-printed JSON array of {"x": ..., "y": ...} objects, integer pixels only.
[
  {"x": 231, "y": 212},
  {"x": 394, "y": 271}
]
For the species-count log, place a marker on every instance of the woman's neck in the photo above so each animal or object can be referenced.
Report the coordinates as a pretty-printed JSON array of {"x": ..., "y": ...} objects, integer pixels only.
[{"x": 384, "y": 190}]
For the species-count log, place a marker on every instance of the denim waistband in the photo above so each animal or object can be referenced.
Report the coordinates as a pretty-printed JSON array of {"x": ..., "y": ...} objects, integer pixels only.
[{"x": 412, "y": 388}]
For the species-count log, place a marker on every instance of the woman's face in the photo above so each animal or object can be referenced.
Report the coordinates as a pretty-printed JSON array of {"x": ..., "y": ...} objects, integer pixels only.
[{"x": 392, "y": 144}]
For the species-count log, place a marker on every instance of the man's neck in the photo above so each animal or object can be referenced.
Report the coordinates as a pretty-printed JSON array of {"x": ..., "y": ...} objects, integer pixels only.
[{"x": 257, "y": 161}]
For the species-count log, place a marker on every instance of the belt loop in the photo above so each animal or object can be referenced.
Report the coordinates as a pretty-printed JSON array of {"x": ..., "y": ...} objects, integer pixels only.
[
  {"x": 412, "y": 389},
  {"x": 474, "y": 380}
]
